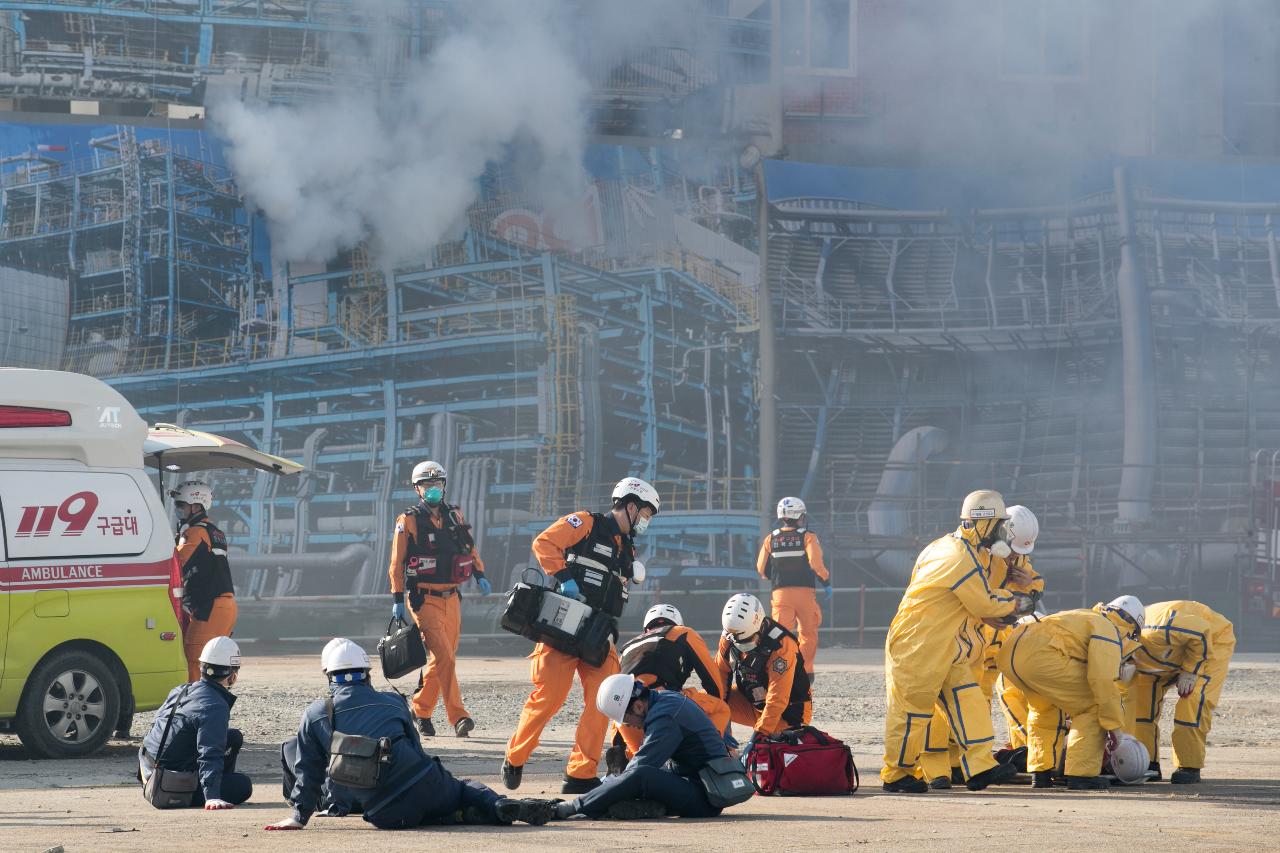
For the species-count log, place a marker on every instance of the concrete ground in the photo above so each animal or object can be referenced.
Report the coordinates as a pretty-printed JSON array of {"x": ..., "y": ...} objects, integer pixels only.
[{"x": 94, "y": 805}]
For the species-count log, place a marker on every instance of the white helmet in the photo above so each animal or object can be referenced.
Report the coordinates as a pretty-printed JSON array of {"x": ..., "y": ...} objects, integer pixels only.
[
  {"x": 340, "y": 655},
  {"x": 220, "y": 657},
  {"x": 1132, "y": 609},
  {"x": 1020, "y": 529},
  {"x": 639, "y": 489},
  {"x": 742, "y": 617},
  {"x": 427, "y": 471},
  {"x": 791, "y": 508},
  {"x": 1129, "y": 760},
  {"x": 662, "y": 611},
  {"x": 193, "y": 492},
  {"x": 614, "y": 696}
]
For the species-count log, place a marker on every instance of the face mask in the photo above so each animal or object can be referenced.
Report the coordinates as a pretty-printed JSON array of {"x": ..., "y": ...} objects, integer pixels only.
[
  {"x": 640, "y": 526},
  {"x": 433, "y": 495},
  {"x": 1001, "y": 549},
  {"x": 744, "y": 645}
]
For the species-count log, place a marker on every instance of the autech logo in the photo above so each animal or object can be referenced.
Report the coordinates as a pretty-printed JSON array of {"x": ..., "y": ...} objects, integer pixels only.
[{"x": 108, "y": 417}]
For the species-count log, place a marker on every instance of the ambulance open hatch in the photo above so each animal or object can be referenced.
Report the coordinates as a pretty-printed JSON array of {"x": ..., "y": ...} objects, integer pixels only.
[{"x": 172, "y": 448}]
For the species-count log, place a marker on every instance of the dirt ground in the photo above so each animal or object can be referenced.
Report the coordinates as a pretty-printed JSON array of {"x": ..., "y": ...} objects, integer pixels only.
[{"x": 94, "y": 805}]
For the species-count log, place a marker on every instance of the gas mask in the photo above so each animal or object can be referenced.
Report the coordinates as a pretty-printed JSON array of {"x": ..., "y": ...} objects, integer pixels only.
[{"x": 433, "y": 496}]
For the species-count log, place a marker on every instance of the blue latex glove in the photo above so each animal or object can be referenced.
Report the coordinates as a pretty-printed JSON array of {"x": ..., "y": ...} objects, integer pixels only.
[
  {"x": 746, "y": 748},
  {"x": 828, "y": 592},
  {"x": 569, "y": 588},
  {"x": 398, "y": 611},
  {"x": 485, "y": 587}
]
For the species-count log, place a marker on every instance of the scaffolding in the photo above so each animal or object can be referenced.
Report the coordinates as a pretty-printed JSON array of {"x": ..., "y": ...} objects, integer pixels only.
[{"x": 560, "y": 456}]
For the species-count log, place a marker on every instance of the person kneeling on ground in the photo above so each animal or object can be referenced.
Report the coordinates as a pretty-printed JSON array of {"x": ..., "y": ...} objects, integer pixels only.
[
  {"x": 197, "y": 716},
  {"x": 412, "y": 788},
  {"x": 675, "y": 730}
]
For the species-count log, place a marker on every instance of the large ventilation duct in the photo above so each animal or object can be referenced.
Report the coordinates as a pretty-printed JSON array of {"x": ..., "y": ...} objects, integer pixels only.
[
  {"x": 444, "y": 439},
  {"x": 1137, "y": 478},
  {"x": 900, "y": 484},
  {"x": 33, "y": 324}
]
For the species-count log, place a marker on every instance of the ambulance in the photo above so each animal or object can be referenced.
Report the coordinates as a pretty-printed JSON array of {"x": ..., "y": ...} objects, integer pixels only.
[{"x": 90, "y": 590}]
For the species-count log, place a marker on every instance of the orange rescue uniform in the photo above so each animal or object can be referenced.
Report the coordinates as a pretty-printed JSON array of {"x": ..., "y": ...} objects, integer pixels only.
[
  {"x": 552, "y": 670},
  {"x": 784, "y": 705},
  {"x": 708, "y": 673},
  {"x": 796, "y": 608},
  {"x": 222, "y": 618},
  {"x": 439, "y": 619}
]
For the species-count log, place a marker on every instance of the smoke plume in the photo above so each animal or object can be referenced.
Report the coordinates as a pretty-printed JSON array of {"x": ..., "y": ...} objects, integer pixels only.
[{"x": 400, "y": 167}]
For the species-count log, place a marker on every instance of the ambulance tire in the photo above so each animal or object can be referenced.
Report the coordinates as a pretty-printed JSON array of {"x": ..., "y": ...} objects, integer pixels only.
[{"x": 69, "y": 706}]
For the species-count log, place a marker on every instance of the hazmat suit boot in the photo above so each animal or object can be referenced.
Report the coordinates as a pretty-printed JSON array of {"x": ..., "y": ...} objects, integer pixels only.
[
  {"x": 940, "y": 783},
  {"x": 511, "y": 775},
  {"x": 426, "y": 727},
  {"x": 1042, "y": 779},
  {"x": 574, "y": 785},
  {"x": 1017, "y": 756},
  {"x": 906, "y": 785},
  {"x": 532, "y": 812},
  {"x": 957, "y": 776},
  {"x": 1185, "y": 776},
  {"x": 998, "y": 775},
  {"x": 637, "y": 810},
  {"x": 1087, "y": 783},
  {"x": 1154, "y": 767}
]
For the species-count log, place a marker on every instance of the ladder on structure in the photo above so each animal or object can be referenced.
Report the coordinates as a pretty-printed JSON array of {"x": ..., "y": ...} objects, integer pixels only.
[{"x": 558, "y": 487}]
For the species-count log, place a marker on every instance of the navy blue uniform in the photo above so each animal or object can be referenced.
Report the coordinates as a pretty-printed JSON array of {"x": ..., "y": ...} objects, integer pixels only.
[
  {"x": 675, "y": 730},
  {"x": 200, "y": 739},
  {"x": 415, "y": 788}
]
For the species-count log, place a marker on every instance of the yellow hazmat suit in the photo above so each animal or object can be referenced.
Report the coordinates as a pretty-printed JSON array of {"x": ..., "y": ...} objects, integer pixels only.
[
  {"x": 930, "y": 654},
  {"x": 941, "y": 752},
  {"x": 1068, "y": 663},
  {"x": 1181, "y": 638}
]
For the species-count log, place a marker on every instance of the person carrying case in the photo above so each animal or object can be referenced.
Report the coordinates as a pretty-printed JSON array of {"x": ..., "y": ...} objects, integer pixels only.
[
  {"x": 802, "y": 762},
  {"x": 170, "y": 789},
  {"x": 401, "y": 650}
]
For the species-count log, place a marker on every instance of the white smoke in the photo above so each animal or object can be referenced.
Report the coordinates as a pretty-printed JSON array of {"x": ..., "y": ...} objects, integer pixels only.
[{"x": 400, "y": 169}]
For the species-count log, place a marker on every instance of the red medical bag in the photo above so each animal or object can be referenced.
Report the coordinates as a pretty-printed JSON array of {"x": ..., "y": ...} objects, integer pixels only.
[{"x": 802, "y": 762}]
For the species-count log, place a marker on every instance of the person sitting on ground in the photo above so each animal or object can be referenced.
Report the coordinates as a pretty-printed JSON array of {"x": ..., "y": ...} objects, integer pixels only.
[
  {"x": 198, "y": 716},
  {"x": 413, "y": 788},
  {"x": 676, "y": 730}
]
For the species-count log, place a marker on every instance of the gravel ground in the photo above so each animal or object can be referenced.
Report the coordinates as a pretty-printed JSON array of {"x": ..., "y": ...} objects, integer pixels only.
[{"x": 93, "y": 804}]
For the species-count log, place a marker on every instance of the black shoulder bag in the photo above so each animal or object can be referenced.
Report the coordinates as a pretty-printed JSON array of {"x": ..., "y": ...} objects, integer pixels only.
[
  {"x": 356, "y": 761},
  {"x": 170, "y": 789}
]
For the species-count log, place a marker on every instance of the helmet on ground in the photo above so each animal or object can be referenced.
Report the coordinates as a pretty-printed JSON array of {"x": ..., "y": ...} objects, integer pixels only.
[
  {"x": 427, "y": 471},
  {"x": 342, "y": 655},
  {"x": 1020, "y": 529},
  {"x": 193, "y": 492},
  {"x": 220, "y": 657},
  {"x": 634, "y": 487},
  {"x": 1130, "y": 611},
  {"x": 791, "y": 508},
  {"x": 662, "y": 611},
  {"x": 615, "y": 695},
  {"x": 1129, "y": 760},
  {"x": 742, "y": 617},
  {"x": 983, "y": 504}
]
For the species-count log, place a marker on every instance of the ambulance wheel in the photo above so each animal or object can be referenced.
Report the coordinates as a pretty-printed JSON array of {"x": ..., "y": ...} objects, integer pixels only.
[{"x": 69, "y": 707}]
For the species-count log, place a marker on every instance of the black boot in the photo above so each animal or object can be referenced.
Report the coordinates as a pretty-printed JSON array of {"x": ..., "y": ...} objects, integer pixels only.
[
  {"x": 1016, "y": 757},
  {"x": 1087, "y": 783},
  {"x": 615, "y": 760},
  {"x": 511, "y": 775},
  {"x": 957, "y": 776},
  {"x": 532, "y": 812},
  {"x": 463, "y": 727},
  {"x": 1041, "y": 779},
  {"x": 574, "y": 785},
  {"x": 906, "y": 785},
  {"x": 1185, "y": 776},
  {"x": 1155, "y": 767},
  {"x": 940, "y": 783},
  {"x": 997, "y": 775},
  {"x": 427, "y": 727}
]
